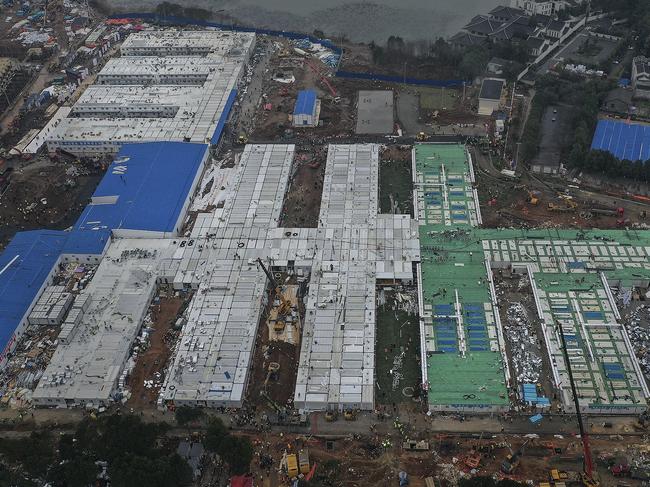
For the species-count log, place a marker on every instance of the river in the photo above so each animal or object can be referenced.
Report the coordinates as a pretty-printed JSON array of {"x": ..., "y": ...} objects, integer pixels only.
[{"x": 358, "y": 21}]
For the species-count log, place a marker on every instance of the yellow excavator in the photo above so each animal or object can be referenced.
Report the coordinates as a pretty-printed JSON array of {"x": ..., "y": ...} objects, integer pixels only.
[
  {"x": 569, "y": 205},
  {"x": 285, "y": 305}
]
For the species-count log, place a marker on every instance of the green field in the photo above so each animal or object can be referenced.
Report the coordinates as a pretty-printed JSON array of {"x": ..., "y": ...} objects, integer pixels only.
[
  {"x": 438, "y": 98},
  {"x": 397, "y": 349},
  {"x": 395, "y": 187}
]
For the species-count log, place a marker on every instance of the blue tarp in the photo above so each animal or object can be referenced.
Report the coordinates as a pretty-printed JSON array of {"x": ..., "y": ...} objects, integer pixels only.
[
  {"x": 536, "y": 419},
  {"x": 622, "y": 139}
]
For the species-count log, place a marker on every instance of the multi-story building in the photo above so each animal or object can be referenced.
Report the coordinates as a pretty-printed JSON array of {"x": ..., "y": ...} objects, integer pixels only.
[
  {"x": 641, "y": 77},
  {"x": 539, "y": 7},
  {"x": 166, "y": 86}
]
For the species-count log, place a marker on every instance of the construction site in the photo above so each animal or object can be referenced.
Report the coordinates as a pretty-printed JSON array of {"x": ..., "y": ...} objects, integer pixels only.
[{"x": 343, "y": 277}]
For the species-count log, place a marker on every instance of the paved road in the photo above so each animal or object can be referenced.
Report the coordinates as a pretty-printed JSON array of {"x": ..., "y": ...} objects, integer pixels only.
[
  {"x": 64, "y": 420},
  {"x": 249, "y": 102}
]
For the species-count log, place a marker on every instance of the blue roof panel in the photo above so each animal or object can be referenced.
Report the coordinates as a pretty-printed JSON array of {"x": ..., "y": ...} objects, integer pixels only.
[
  {"x": 86, "y": 242},
  {"x": 305, "y": 103},
  {"x": 622, "y": 139},
  {"x": 145, "y": 187},
  {"x": 24, "y": 266},
  {"x": 216, "y": 136}
]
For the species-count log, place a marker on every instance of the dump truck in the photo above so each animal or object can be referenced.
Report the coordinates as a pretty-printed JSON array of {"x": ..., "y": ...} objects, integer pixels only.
[
  {"x": 303, "y": 461},
  {"x": 558, "y": 475},
  {"x": 292, "y": 466}
]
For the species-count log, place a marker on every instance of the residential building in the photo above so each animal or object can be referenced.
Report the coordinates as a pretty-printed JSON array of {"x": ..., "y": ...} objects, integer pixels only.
[
  {"x": 536, "y": 7},
  {"x": 641, "y": 77}
]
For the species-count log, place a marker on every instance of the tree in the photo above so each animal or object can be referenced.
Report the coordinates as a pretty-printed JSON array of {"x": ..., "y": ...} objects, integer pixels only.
[
  {"x": 237, "y": 452},
  {"x": 186, "y": 414},
  {"x": 474, "y": 61},
  {"x": 131, "y": 449},
  {"x": 215, "y": 434},
  {"x": 34, "y": 453}
]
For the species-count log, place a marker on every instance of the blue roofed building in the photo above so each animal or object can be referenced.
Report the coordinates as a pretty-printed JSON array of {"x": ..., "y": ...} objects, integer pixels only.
[
  {"x": 307, "y": 109},
  {"x": 85, "y": 246},
  {"x": 146, "y": 190},
  {"x": 27, "y": 266},
  {"x": 622, "y": 139},
  {"x": 145, "y": 193}
]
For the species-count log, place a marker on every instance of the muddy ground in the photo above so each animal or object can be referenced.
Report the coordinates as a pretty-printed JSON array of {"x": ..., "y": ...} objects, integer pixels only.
[
  {"x": 303, "y": 198},
  {"x": 505, "y": 202},
  {"x": 154, "y": 360},
  {"x": 46, "y": 195},
  {"x": 396, "y": 180},
  {"x": 279, "y": 388}
]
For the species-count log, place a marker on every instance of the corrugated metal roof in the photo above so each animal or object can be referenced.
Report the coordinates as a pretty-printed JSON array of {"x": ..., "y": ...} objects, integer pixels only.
[
  {"x": 86, "y": 242},
  {"x": 25, "y": 264},
  {"x": 148, "y": 184},
  {"x": 305, "y": 103},
  {"x": 624, "y": 140}
]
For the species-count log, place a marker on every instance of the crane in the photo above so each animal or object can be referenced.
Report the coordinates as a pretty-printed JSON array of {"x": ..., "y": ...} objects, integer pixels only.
[
  {"x": 323, "y": 79},
  {"x": 588, "y": 478}
]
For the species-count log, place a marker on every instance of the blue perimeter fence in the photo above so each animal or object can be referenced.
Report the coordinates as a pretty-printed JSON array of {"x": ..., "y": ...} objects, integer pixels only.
[{"x": 173, "y": 20}]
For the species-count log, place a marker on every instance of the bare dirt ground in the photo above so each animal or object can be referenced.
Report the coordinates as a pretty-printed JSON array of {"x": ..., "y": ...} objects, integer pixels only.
[
  {"x": 46, "y": 195},
  {"x": 504, "y": 202},
  {"x": 363, "y": 461},
  {"x": 280, "y": 388},
  {"x": 155, "y": 358},
  {"x": 303, "y": 198}
]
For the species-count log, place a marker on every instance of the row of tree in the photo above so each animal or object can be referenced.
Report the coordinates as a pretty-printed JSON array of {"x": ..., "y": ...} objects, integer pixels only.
[
  {"x": 236, "y": 451},
  {"x": 442, "y": 60},
  {"x": 131, "y": 450}
]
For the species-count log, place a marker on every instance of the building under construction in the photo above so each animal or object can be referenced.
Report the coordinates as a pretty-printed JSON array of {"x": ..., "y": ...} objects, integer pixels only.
[
  {"x": 166, "y": 86},
  {"x": 573, "y": 276},
  {"x": 228, "y": 254}
]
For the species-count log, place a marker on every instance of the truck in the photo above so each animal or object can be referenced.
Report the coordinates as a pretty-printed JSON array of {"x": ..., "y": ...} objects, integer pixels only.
[
  {"x": 640, "y": 473},
  {"x": 303, "y": 461},
  {"x": 413, "y": 445},
  {"x": 292, "y": 466}
]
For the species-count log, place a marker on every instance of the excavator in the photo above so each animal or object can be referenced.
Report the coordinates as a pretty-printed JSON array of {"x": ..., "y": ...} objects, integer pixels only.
[
  {"x": 570, "y": 205},
  {"x": 588, "y": 476},
  {"x": 511, "y": 462},
  {"x": 285, "y": 305}
]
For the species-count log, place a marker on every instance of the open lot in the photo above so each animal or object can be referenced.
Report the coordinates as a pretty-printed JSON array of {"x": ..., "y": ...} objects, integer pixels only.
[
  {"x": 375, "y": 112},
  {"x": 395, "y": 180},
  {"x": 46, "y": 195},
  {"x": 589, "y": 50},
  {"x": 398, "y": 346},
  {"x": 555, "y": 127}
]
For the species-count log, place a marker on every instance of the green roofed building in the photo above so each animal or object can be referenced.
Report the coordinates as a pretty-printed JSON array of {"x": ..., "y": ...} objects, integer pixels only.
[{"x": 572, "y": 274}]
